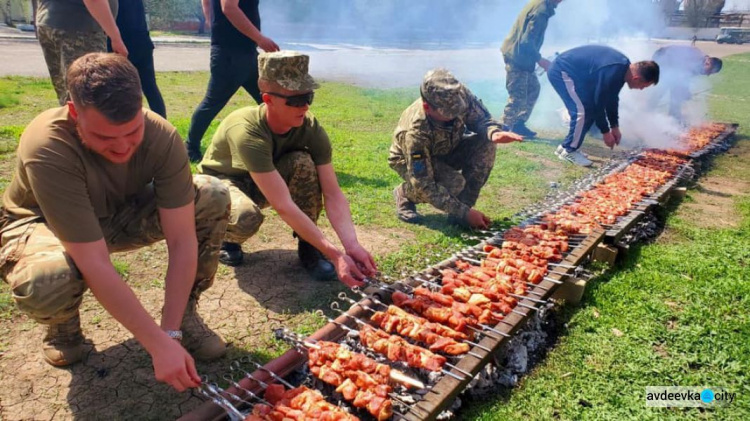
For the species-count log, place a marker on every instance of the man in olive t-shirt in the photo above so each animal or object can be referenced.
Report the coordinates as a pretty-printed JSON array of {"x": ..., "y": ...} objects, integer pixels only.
[
  {"x": 68, "y": 29},
  {"x": 103, "y": 175},
  {"x": 277, "y": 154}
]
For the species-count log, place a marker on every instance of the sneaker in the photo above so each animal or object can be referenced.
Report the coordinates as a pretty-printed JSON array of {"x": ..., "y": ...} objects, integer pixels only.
[
  {"x": 194, "y": 153},
  {"x": 559, "y": 150},
  {"x": 576, "y": 157},
  {"x": 406, "y": 210},
  {"x": 314, "y": 262},
  {"x": 202, "y": 342},
  {"x": 520, "y": 128},
  {"x": 63, "y": 345},
  {"x": 231, "y": 254}
]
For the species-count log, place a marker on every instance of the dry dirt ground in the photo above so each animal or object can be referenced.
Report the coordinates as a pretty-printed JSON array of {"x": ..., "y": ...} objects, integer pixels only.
[{"x": 116, "y": 380}]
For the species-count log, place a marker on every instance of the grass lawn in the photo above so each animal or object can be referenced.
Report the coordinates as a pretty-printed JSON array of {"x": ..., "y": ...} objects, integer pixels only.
[{"x": 681, "y": 304}]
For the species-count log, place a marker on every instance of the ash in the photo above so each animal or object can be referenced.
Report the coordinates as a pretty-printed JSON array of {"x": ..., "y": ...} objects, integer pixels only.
[{"x": 646, "y": 230}]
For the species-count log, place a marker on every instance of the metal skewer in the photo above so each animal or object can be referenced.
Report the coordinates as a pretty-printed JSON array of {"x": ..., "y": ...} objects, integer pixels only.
[{"x": 343, "y": 297}]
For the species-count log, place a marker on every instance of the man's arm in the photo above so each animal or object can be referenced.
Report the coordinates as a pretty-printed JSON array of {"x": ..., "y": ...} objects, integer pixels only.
[
  {"x": 178, "y": 226},
  {"x": 339, "y": 213},
  {"x": 237, "y": 17},
  {"x": 207, "y": 12},
  {"x": 275, "y": 190},
  {"x": 102, "y": 14},
  {"x": 529, "y": 44},
  {"x": 172, "y": 364}
]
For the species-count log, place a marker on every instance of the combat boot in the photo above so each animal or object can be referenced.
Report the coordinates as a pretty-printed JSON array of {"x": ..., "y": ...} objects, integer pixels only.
[
  {"x": 315, "y": 263},
  {"x": 406, "y": 210},
  {"x": 520, "y": 128},
  {"x": 202, "y": 343},
  {"x": 230, "y": 254},
  {"x": 63, "y": 345}
]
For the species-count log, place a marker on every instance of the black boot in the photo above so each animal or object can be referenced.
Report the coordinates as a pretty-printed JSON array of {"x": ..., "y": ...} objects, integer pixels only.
[
  {"x": 314, "y": 262},
  {"x": 231, "y": 254},
  {"x": 520, "y": 128},
  {"x": 194, "y": 152}
]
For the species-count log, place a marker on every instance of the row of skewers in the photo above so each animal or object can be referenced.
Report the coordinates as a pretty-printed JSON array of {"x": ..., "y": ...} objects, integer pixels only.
[{"x": 438, "y": 316}]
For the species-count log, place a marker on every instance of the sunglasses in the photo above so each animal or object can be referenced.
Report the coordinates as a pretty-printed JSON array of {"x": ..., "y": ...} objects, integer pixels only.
[{"x": 298, "y": 101}]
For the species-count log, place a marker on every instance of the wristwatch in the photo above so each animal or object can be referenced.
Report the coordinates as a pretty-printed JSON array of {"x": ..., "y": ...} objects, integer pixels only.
[{"x": 175, "y": 334}]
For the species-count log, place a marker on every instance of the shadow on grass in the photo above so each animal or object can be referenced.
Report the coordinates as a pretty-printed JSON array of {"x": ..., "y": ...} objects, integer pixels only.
[
  {"x": 119, "y": 383},
  {"x": 278, "y": 282},
  {"x": 349, "y": 180}
]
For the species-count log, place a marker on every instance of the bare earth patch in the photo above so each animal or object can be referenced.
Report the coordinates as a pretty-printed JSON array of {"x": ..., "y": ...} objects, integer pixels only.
[{"x": 116, "y": 381}]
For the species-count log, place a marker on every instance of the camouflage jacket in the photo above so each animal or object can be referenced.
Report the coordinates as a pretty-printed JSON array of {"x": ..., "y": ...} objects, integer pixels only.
[
  {"x": 418, "y": 140},
  {"x": 524, "y": 42}
]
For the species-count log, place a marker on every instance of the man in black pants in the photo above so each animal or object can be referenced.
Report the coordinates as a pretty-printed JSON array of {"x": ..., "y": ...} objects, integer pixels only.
[
  {"x": 235, "y": 36},
  {"x": 131, "y": 20}
]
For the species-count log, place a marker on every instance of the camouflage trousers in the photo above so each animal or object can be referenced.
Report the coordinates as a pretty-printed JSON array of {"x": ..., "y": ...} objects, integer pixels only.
[
  {"x": 61, "y": 48},
  {"x": 523, "y": 91},
  {"x": 298, "y": 171},
  {"x": 463, "y": 172},
  {"x": 47, "y": 285}
]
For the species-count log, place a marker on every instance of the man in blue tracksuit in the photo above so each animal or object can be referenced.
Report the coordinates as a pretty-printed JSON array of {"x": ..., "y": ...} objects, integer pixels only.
[{"x": 589, "y": 80}]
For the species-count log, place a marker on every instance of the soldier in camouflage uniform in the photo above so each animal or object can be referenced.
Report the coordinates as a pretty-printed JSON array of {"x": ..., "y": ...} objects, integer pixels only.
[
  {"x": 278, "y": 155},
  {"x": 103, "y": 175},
  {"x": 521, "y": 52},
  {"x": 68, "y": 29},
  {"x": 440, "y": 161}
]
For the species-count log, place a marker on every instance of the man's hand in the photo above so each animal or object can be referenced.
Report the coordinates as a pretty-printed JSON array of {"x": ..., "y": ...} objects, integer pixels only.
[
  {"x": 363, "y": 259},
  {"x": 616, "y": 133},
  {"x": 477, "y": 220},
  {"x": 119, "y": 47},
  {"x": 506, "y": 137},
  {"x": 266, "y": 44},
  {"x": 609, "y": 139},
  {"x": 544, "y": 64},
  {"x": 347, "y": 271},
  {"x": 174, "y": 366}
]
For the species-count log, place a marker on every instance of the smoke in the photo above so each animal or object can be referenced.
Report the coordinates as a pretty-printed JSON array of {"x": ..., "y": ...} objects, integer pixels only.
[{"x": 392, "y": 43}]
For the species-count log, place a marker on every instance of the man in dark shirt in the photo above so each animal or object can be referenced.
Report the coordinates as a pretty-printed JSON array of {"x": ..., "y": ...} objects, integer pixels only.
[
  {"x": 588, "y": 80},
  {"x": 131, "y": 20},
  {"x": 235, "y": 36},
  {"x": 679, "y": 64}
]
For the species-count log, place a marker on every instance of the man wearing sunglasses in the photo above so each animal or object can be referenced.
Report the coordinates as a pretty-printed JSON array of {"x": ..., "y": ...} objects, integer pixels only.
[{"x": 277, "y": 154}]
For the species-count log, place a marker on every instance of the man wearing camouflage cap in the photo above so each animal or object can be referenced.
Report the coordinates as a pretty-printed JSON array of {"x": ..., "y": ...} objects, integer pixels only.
[
  {"x": 440, "y": 162},
  {"x": 277, "y": 154}
]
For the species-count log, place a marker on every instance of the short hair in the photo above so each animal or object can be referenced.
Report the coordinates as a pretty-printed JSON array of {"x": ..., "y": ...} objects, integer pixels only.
[
  {"x": 267, "y": 85},
  {"x": 648, "y": 70},
  {"x": 107, "y": 82},
  {"x": 716, "y": 64}
]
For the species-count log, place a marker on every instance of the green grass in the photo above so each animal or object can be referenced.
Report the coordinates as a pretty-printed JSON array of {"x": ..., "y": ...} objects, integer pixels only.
[{"x": 681, "y": 305}]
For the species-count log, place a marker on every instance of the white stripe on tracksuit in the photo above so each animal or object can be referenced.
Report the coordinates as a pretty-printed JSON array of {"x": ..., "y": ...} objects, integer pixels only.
[{"x": 580, "y": 117}]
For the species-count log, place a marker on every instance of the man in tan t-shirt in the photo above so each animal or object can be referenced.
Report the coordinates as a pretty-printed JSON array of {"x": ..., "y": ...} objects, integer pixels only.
[
  {"x": 103, "y": 175},
  {"x": 277, "y": 154}
]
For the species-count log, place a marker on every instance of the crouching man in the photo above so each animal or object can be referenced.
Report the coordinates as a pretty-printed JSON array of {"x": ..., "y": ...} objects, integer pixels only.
[
  {"x": 102, "y": 175},
  {"x": 277, "y": 154},
  {"x": 444, "y": 149}
]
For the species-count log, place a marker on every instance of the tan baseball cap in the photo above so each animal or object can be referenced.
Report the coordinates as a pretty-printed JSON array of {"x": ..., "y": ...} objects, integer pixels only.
[{"x": 287, "y": 68}]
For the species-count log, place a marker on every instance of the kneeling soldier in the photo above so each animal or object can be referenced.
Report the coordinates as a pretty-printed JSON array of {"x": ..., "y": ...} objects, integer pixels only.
[
  {"x": 102, "y": 175},
  {"x": 441, "y": 162},
  {"x": 277, "y": 154}
]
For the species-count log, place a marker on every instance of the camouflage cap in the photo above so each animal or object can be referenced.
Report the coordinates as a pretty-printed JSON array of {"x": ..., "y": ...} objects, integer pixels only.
[
  {"x": 288, "y": 69},
  {"x": 444, "y": 93}
]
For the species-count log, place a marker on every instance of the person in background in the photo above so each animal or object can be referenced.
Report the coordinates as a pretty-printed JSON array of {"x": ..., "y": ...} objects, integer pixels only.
[
  {"x": 277, "y": 154},
  {"x": 440, "y": 162},
  {"x": 102, "y": 175},
  {"x": 68, "y": 29},
  {"x": 131, "y": 21},
  {"x": 521, "y": 53},
  {"x": 588, "y": 80},
  {"x": 235, "y": 38},
  {"x": 679, "y": 65}
]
